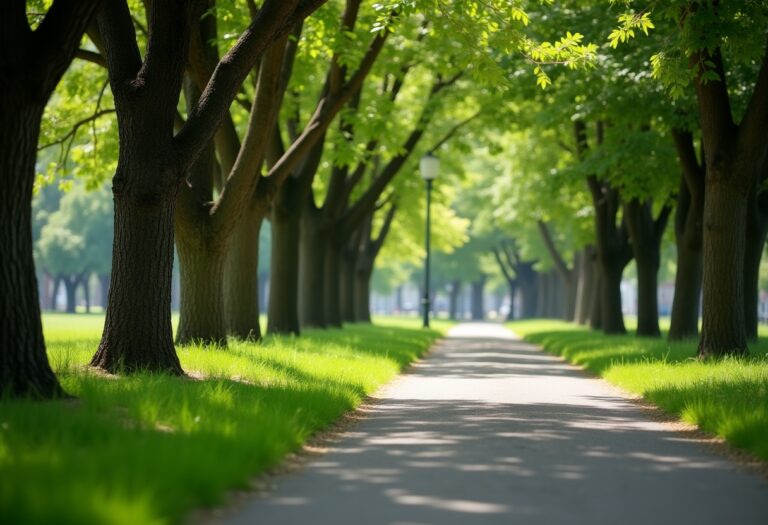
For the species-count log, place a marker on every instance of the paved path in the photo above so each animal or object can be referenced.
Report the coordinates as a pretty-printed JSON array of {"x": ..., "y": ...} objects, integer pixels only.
[{"x": 490, "y": 430}]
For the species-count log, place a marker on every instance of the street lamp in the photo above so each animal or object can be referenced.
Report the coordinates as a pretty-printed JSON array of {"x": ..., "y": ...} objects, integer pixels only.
[{"x": 429, "y": 166}]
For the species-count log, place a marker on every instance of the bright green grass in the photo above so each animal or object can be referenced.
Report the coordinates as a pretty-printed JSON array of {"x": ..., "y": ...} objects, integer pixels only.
[
  {"x": 728, "y": 397},
  {"x": 149, "y": 448}
]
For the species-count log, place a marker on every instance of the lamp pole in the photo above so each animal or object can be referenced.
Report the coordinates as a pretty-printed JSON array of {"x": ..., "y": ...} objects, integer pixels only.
[
  {"x": 429, "y": 165},
  {"x": 425, "y": 300}
]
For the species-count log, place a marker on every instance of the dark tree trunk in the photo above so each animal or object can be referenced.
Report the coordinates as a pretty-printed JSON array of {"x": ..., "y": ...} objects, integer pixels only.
[
  {"x": 610, "y": 307},
  {"x": 723, "y": 277},
  {"x": 24, "y": 368},
  {"x": 362, "y": 296},
  {"x": 104, "y": 289},
  {"x": 478, "y": 309},
  {"x": 283, "y": 315},
  {"x": 242, "y": 304},
  {"x": 137, "y": 331},
  {"x": 512, "y": 292},
  {"x": 312, "y": 252},
  {"x": 529, "y": 293},
  {"x": 542, "y": 300},
  {"x": 646, "y": 234},
  {"x": 453, "y": 299},
  {"x": 71, "y": 282},
  {"x": 347, "y": 288},
  {"x": 596, "y": 313},
  {"x": 684, "y": 323},
  {"x": 757, "y": 226},
  {"x": 332, "y": 285},
  {"x": 201, "y": 265}
]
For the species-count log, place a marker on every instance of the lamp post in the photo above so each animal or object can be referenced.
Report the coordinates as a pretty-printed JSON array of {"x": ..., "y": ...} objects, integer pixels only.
[{"x": 429, "y": 166}]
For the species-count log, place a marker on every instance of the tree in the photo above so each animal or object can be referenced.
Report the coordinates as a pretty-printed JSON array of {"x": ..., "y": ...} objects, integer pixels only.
[
  {"x": 153, "y": 161},
  {"x": 39, "y": 56}
]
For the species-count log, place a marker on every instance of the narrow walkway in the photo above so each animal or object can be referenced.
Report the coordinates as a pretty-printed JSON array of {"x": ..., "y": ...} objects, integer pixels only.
[{"x": 489, "y": 429}]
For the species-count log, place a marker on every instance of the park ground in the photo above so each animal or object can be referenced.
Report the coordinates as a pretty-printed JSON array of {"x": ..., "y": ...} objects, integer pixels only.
[{"x": 151, "y": 448}]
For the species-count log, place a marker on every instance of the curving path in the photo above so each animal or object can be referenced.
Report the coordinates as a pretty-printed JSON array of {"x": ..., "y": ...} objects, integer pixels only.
[{"x": 488, "y": 429}]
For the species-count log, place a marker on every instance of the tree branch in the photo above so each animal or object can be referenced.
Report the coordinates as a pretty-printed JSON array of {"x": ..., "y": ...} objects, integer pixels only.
[{"x": 554, "y": 253}]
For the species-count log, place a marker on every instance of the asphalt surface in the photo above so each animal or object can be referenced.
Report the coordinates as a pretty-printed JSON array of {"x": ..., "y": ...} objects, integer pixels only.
[{"x": 489, "y": 429}]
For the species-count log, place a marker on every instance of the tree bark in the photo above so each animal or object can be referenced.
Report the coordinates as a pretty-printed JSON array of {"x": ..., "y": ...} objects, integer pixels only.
[
  {"x": 242, "y": 303},
  {"x": 610, "y": 307},
  {"x": 71, "y": 282},
  {"x": 283, "y": 314},
  {"x": 24, "y": 368},
  {"x": 362, "y": 296},
  {"x": 347, "y": 286},
  {"x": 142, "y": 264},
  {"x": 596, "y": 312},
  {"x": 646, "y": 234},
  {"x": 585, "y": 286},
  {"x": 332, "y": 285},
  {"x": 312, "y": 273},
  {"x": 684, "y": 323},
  {"x": 528, "y": 281},
  {"x": 757, "y": 227}
]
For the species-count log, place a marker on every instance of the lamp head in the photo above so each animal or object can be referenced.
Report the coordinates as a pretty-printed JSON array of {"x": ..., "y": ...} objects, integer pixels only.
[{"x": 429, "y": 166}]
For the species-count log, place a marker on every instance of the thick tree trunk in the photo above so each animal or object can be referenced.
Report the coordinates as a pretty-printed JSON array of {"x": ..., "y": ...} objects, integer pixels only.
[
  {"x": 362, "y": 296},
  {"x": 24, "y": 368},
  {"x": 104, "y": 289},
  {"x": 757, "y": 226},
  {"x": 332, "y": 285},
  {"x": 71, "y": 283},
  {"x": 201, "y": 265},
  {"x": 610, "y": 307},
  {"x": 283, "y": 313},
  {"x": 647, "y": 297},
  {"x": 684, "y": 323},
  {"x": 242, "y": 305},
  {"x": 312, "y": 252},
  {"x": 138, "y": 333},
  {"x": 723, "y": 277},
  {"x": 529, "y": 290}
]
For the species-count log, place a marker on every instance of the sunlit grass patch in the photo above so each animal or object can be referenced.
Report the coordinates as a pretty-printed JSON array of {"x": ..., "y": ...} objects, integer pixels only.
[
  {"x": 149, "y": 448},
  {"x": 728, "y": 397}
]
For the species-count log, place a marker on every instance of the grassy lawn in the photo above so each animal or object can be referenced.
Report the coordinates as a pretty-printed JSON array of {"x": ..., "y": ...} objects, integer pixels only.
[
  {"x": 728, "y": 397},
  {"x": 149, "y": 448}
]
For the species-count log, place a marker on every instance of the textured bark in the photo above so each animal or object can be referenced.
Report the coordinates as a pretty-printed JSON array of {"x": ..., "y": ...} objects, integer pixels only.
[
  {"x": 283, "y": 313},
  {"x": 24, "y": 368},
  {"x": 201, "y": 265},
  {"x": 242, "y": 292},
  {"x": 137, "y": 330},
  {"x": 723, "y": 278}
]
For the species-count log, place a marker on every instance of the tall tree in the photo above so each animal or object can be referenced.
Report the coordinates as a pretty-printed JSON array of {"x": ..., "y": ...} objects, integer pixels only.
[{"x": 31, "y": 63}]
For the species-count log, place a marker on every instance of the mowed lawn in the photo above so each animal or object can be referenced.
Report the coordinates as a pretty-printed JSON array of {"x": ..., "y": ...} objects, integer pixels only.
[
  {"x": 727, "y": 397},
  {"x": 147, "y": 449}
]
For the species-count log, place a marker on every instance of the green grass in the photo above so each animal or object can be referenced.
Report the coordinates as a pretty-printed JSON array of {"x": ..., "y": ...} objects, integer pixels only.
[
  {"x": 727, "y": 397},
  {"x": 149, "y": 448}
]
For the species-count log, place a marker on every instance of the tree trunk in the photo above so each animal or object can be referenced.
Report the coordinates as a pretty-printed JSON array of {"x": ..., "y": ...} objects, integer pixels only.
[
  {"x": 362, "y": 296},
  {"x": 347, "y": 289},
  {"x": 585, "y": 286},
  {"x": 104, "y": 289},
  {"x": 478, "y": 309},
  {"x": 242, "y": 305},
  {"x": 647, "y": 297},
  {"x": 529, "y": 295},
  {"x": 757, "y": 226},
  {"x": 201, "y": 265},
  {"x": 684, "y": 323},
  {"x": 453, "y": 299},
  {"x": 55, "y": 294},
  {"x": 138, "y": 333},
  {"x": 71, "y": 283},
  {"x": 332, "y": 285},
  {"x": 596, "y": 312},
  {"x": 283, "y": 313},
  {"x": 24, "y": 368},
  {"x": 723, "y": 277},
  {"x": 512, "y": 284},
  {"x": 312, "y": 252},
  {"x": 612, "y": 316},
  {"x": 87, "y": 292}
]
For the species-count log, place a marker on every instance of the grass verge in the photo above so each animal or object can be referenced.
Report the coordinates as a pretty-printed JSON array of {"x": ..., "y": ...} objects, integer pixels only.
[
  {"x": 728, "y": 397},
  {"x": 150, "y": 448}
]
